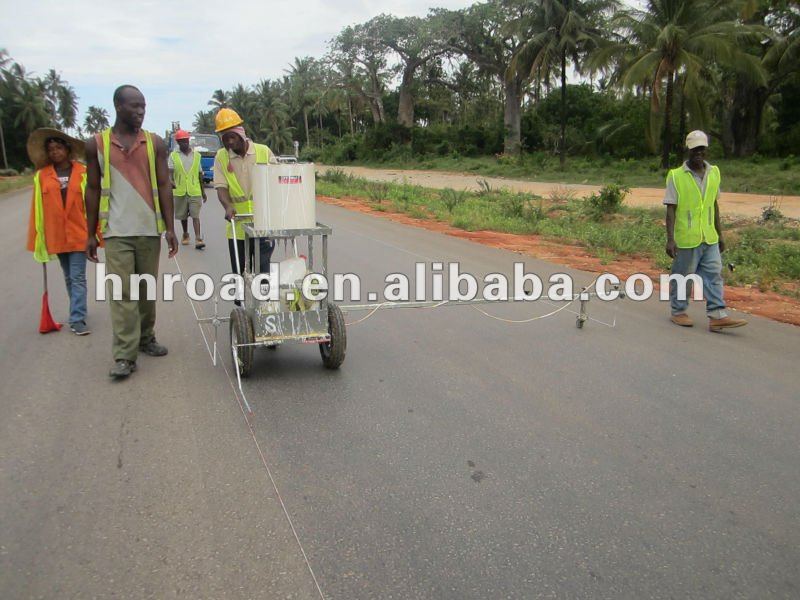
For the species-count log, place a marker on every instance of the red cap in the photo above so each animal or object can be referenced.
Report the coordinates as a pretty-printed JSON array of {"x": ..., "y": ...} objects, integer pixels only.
[{"x": 181, "y": 135}]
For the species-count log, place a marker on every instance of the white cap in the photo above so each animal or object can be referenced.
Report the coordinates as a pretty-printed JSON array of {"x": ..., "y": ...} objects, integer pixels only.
[{"x": 696, "y": 138}]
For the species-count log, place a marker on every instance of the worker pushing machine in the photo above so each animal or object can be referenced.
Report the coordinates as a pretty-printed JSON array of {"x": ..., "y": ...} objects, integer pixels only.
[
  {"x": 188, "y": 193},
  {"x": 233, "y": 170}
]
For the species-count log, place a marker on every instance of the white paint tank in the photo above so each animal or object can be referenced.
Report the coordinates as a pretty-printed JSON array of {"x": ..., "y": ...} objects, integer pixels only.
[{"x": 284, "y": 196}]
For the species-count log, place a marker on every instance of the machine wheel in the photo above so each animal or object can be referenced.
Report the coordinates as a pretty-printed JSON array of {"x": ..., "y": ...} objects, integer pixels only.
[
  {"x": 242, "y": 333},
  {"x": 333, "y": 352}
]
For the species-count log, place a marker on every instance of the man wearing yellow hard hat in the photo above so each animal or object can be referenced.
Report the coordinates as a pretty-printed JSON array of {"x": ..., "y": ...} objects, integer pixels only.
[{"x": 233, "y": 168}]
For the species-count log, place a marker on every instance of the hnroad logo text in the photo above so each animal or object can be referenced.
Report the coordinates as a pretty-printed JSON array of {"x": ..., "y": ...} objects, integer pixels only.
[{"x": 523, "y": 287}]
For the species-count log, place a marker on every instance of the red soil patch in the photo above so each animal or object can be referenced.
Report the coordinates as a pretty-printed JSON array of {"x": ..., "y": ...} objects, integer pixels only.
[{"x": 750, "y": 300}]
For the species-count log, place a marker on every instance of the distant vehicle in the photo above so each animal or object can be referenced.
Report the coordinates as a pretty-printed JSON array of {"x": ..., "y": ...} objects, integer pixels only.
[{"x": 205, "y": 143}]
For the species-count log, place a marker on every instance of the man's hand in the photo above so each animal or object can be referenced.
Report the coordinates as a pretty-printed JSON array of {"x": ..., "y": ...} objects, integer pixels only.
[
  {"x": 672, "y": 248},
  {"x": 91, "y": 249},
  {"x": 230, "y": 212},
  {"x": 172, "y": 243},
  {"x": 721, "y": 245}
]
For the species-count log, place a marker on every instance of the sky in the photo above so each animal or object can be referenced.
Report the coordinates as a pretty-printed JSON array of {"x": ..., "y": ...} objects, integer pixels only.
[{"x": 178, "y": 52}]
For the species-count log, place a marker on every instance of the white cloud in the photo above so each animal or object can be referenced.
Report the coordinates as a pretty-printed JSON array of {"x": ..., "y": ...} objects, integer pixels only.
[{"x": 178, "y": 52}]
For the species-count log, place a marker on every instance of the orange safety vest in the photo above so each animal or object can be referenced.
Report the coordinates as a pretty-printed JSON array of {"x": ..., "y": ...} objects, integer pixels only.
[{"x": 63, "y": 225}]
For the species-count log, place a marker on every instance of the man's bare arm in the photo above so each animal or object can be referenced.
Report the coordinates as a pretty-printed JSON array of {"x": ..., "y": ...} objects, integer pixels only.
[
  {"x": 92, "y": 197},
  {"x": 165, "y": 195},
  {"x": 672, "y": 248},
  {"x": 224, "y": 196}
]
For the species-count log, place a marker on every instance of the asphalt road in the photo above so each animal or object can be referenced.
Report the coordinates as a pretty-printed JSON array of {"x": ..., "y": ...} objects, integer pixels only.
[{"x": 452, "y": 456}]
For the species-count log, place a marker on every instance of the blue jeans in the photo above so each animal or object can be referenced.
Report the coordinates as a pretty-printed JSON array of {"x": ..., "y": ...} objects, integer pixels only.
[
  {"x": 706, "y": 261},
  {"x": 74, "y": 266}
]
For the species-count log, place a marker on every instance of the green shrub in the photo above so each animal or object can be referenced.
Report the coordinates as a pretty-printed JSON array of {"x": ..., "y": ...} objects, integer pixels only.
[
  {"x": 608, "y": 201},
  {"x": 402, "y": 195},
  {"x": 535, "y": 212},
  {"x": 335, "y": 175},
  {"x": 377, "y": 191},
  {"x": 452, "y": 198},
  {"x": 484, "y": 187},
  {"x": 771, "y": 213},
  {"x": 513, "y": 205}
]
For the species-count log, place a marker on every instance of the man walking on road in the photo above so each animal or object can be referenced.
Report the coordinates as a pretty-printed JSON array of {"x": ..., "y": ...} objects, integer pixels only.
[
  {"x": 694, "y": 235},
  {"x": 189, "y": 194},
  {"x": 129, "y": 191},
  {"x": 233, "y": 169}
]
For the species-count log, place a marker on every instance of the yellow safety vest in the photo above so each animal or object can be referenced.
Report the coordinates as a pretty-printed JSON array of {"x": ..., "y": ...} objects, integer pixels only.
[
  {"x": 105, "y": 186},
  {"x": 241, "y": 204},
  {"x": 186, "y": 183},
  {"x": 694, "y": 214}
]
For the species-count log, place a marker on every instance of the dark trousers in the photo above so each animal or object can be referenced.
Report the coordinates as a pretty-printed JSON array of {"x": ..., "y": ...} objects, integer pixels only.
[
  {"x": 132, "y": 321},
  {"x": 265, "y": 248}
]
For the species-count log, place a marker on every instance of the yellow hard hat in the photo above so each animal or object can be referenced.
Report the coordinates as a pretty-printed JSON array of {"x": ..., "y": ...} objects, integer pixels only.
[{"x": 226, "y": 118}]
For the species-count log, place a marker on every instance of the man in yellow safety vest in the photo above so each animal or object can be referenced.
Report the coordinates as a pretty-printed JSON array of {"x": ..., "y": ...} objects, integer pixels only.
[
  {"x": 188, "y": 193},
  {"x": 233, "y": 169},
  {"x": 128, "y": 192},
  {"x": 694, "y": 234}
]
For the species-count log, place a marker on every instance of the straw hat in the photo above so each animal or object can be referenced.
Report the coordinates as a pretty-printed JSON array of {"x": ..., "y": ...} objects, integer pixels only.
[{"x": 38, "y": 153}]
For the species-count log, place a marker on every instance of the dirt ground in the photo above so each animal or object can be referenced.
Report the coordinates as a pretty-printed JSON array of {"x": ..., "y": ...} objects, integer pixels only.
[
  {"x": 750, "y": 300},
  {"x": 748, "y": 205}
]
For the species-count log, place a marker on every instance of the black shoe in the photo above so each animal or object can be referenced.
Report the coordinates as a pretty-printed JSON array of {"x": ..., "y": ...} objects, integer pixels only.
[
  {"x": 79, "y": 328},
  {"x": 122, "y": 368},
  {"x": 153, "y": 348}
]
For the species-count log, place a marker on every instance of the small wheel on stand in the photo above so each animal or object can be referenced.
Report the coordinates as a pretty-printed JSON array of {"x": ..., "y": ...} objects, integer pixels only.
[
  {"x": 242, "y": 333},
  {"x": 333, "y": 351}
]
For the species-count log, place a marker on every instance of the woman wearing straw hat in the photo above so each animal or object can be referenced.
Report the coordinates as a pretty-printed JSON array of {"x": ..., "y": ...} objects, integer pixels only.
[{"x": 57, "y": 225}]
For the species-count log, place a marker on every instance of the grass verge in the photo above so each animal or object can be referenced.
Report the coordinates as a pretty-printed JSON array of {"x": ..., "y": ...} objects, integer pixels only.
[
  {"x": 9, "y": 184},
  {"x": 755, "y": 175},
  {"x": 765, "y": 255}
]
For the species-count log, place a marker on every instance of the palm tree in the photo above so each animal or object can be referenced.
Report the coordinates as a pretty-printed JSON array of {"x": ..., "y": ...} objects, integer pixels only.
[
  {"x": 744, "y": 101},
  {"x": 301, "y": 77},
  {"x": 273, "y": 116},
  {"x": 60, "y": 100},
  {"x": 204, "y": 121},
  {"x": 673, "y": 37},
  {"x": 96, "y": 120},
  {"x": 31, "y": 107},
  {"x": 50, "y": 85},
  {"x": 67, "y": 106},
  {"x": 241, "y": 99},
  {"x": 569, "y": 29},
  {"x": 3, "y": 141},
  {"x": 4, "y": 60},
  {"x": 28, "y": 103},
  {"x": 219, "y": 99}
]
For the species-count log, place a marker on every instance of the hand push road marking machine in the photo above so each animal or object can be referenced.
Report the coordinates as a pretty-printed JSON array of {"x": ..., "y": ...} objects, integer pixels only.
[{"x": 285, "y": 311}]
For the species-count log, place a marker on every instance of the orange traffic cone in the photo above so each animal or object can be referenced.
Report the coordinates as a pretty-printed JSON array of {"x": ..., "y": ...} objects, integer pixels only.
[{"x": 47, "y": 323}]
